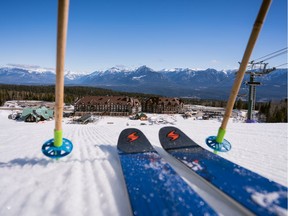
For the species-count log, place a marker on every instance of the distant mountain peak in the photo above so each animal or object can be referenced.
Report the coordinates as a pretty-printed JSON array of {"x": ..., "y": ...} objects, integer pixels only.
[
  {"x": 144, "y": 67},
  {"x": 174, "y": 70},
  {"x": 117, "y": 69},
  {"x": 177, "y": 82},
  {"x": 30, "y": 68},
  {"x": 41, "y": 70}
]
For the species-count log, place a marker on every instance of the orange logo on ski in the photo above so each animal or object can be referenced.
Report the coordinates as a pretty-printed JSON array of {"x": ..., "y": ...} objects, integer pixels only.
[
  {"x": 133, "y": 136},
  {"x": 173, "y": 136}
]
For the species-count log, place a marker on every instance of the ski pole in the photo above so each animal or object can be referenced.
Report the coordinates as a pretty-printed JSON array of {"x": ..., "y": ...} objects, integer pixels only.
[
  {"x": 218, "y": 143},
  {"x": 59, "y": 88},
  {"x": 59, "y": 146}
]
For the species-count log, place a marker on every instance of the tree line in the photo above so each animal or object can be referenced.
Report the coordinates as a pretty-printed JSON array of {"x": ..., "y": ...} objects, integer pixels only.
[
  {"x": 47, "y": 93},
  {"x": 274, "y": 111},
  {"x": 268, "y": 112}
]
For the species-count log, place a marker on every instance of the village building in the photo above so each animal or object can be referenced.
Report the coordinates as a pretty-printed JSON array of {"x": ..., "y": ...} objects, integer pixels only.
[
  {"x": 203, "y": 112},
  {"x": 85, "y": 119},
  {"x": 107, "y": 105},
  {"x": 163, "y": 105},
  {"x": 36, "y": 114}
]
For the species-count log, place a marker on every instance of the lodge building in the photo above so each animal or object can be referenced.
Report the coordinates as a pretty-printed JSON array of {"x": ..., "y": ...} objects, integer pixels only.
[
  {"x": 123, "y": 105},
  {"x": 163, "y": 105},
  {"x": 107, "y": 105}
]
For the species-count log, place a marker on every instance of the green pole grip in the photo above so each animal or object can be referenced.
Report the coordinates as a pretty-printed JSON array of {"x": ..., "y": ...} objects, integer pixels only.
[
  {"x": 220, "y": 135},
  {"x": 58, "y": 138}
]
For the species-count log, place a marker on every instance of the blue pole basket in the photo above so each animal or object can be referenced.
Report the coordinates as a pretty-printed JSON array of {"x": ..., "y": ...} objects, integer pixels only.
[
  {"x": 54, "y": 152},
  {"x": 220, "y": 147}
]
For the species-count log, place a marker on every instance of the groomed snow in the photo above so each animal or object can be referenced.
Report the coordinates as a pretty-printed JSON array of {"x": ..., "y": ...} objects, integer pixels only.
[{"x": 89, "y": 181}]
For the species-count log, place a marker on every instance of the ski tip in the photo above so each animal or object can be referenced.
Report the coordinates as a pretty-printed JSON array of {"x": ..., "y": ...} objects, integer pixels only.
[
  {"x": 173, "y": 138},
  {"x": 132, "y": 140}
]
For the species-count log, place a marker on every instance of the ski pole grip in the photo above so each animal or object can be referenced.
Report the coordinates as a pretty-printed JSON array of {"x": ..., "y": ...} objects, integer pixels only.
[
  {"x": 220, "y": 135},
  {"x": 58, "y": 138}
]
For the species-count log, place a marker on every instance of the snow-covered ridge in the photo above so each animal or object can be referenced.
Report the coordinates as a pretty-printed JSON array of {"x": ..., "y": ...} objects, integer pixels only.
[
  {"x": 185, "y": 82},
  {"x": 30, "y": 68},
  {"x": 73, "y": 75},
  {"x": 138, "y": 78},
  {"x": 181, "y": 69},
  {"x": 117, "y": 69},
  {"x": 41, "y": 70},
  {"x": 191, "y": 70}
]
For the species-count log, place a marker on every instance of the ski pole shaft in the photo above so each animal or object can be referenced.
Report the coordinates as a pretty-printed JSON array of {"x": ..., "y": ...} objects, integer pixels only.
[
  {"x": 63, "y": 10},
  {"x": 242, "y": 69}
]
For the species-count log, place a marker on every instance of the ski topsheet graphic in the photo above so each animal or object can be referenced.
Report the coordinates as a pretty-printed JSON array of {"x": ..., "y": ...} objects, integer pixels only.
[
  {"x": 154, "y": 188},
  {"x": 256, "y": 193}
]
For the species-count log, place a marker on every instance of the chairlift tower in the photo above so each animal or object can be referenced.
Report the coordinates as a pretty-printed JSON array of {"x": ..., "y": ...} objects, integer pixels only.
[{"x": 261, "y": 70}]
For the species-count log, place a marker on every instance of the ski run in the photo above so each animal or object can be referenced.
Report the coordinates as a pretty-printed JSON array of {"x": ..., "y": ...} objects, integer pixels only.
[{"x": 90, "y": 180}]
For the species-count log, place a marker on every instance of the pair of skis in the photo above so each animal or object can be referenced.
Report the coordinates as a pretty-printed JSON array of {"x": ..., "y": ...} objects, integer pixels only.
[{"x": 154, "y": 188}]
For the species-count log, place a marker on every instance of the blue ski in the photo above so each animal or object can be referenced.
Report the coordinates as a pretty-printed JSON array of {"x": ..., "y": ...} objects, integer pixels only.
[
  {"x": 258, "y": 194},
  {"x": 154, "y": 188}
]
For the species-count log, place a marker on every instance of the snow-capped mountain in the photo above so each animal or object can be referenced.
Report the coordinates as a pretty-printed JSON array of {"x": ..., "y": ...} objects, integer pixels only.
[
  {"x": 17, "y": 75},
  {"x": 30, "y": 68},
  {"x": 70, "y": 75},
  {"x": 180, "y": 82},
  {"x": 30, "y": 74}
]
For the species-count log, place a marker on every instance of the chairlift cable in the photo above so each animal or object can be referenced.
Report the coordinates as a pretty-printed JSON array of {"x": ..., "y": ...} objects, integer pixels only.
[
  {"x": 274, "y": 56},
  {"x": 281, "y": 65},
  {"x": 271, "y": 54}
]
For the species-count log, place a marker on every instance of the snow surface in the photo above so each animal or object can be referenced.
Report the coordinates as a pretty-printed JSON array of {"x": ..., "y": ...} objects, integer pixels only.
[{"x": 89, "y": 181}]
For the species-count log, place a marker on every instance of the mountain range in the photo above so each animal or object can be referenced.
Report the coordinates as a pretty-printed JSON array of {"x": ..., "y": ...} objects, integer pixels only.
[{"x": 179, "y": 82}]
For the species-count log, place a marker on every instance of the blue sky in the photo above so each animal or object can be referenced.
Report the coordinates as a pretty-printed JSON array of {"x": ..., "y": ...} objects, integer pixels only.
[{"x": 157, "y": 33}]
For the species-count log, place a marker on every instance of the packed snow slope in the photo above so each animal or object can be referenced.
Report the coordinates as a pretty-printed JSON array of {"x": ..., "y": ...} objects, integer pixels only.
[{"x": 89, "y": 181}]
